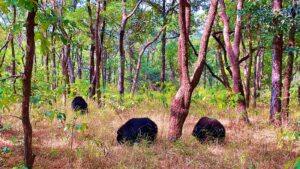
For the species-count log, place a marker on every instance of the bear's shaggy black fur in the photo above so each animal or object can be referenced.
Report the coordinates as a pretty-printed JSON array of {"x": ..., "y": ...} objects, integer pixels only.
[
  {"x": 137, "y": 129},
  {"x": 209, "y": 129},
  {"x": 79, "y": 104}
]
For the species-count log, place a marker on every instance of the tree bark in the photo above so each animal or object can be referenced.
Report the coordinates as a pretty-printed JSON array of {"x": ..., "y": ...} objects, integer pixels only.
[
  {"x": 135, "y": 79},
  {"x": 233, "y": 54},
  {"x": 248, "y": 78},
  {"x": 163, "y": 45},
  {"x": 92, "y": 92},
  {"x": 70, "y": 69},
  {"x": 221, "y": 63},
  {"x": 277, "y": 49},
  {"x": 181, "y": 102},
  {"x": 54, "y": 79},
  {"x": 98, "y": 55},
  {"x": 288, "y": 73},
  {"x": 257, "y": 74},
  {"x": 30, "y": 50},
  {"x": 103, "y": 52},
  {"x": 64, "y": 66}
]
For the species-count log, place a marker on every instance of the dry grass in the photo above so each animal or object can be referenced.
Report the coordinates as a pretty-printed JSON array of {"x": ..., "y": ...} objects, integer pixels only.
[{"x": 256, "y": 146}]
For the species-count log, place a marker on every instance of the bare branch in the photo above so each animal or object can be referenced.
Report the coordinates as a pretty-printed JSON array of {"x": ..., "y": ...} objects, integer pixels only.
[{"x": 134, "y": 9}]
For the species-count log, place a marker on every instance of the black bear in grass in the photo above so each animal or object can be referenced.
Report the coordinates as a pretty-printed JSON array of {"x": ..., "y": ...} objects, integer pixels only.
[
  {"x": 136, "y": 130},
  {"x": 79, "y": 104},
  {"x": 209, "y": 129}
]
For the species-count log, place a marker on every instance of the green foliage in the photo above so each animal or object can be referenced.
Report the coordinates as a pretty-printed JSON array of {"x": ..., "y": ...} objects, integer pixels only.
[
  {"x": 221, "y": 98},
  {"x": 52, "y": 114}
]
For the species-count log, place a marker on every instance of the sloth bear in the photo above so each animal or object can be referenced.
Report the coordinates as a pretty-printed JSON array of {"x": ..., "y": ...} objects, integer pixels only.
[
  {"x": 79, "y": 104},
  {"x": 137, "y": 129},
  {"x": 209, "y": 129}
]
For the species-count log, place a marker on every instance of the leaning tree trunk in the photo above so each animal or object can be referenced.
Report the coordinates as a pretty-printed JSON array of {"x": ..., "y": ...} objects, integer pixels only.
[
  {"x": 221, "y": 63},
  {"x": 135, "y": 79},
  {"x": 288, "y": 74},
  {"x": 277, "y": 49},
  {"x": 181, "y": 102},
  {"x": 30, "y": 50},
  {"x": 233, "y": 53}
]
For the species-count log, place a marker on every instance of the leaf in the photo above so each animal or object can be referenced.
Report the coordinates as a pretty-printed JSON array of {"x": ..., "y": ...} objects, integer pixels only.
[
  {"x": 61, "y": 116},
  {"x": 49, "y": 114},
  {"x": 81, "y": 127},
  {"x": 35, "y": 99}
]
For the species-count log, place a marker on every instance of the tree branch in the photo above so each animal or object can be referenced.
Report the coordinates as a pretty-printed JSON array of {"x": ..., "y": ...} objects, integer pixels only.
[
  {"x": 134, "y": 9},
  {"x": 206, "y": 64}
]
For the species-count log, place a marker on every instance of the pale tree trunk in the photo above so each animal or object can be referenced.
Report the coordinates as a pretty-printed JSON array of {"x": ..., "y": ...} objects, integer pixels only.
[
  {"x": 233, "y": 54},
  {"x": 125, "y": 18},
  {"x": 277, "y": 49},
  {"x": 135, "y": 79},
  {"x": 288, "y": 73},
  {"x": 257, "y": 73},
  {"x": 181, "y": 102},
  {"x": 248, "y": 77},
  {"x": 257, "y": 60},
  {"x": 30, "y": 50}
]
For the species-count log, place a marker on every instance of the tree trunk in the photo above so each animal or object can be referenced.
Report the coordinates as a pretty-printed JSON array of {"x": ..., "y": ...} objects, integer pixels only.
[
  {"x": 257, "y": 75},
  {"x": 125, "y": 17},
  {"x": 277, "y": 49},
  {"x": 54, "y": 80},
  {"x": 233, "y": 54},
  {"x": 103, "y": 53},
  {"x": 181, "y": 102},
  {"x": 71, "y": 69},
  {"x": 64, "y": 66},
  {"x": 13, "y": 64},
  {"x": 30, "y": 50},
  {"x": 79, "y": 62},
  {"x": 248, "y": 78},
  {"x": 96, "y": 78},
  {"x": 163, "y": 45},
  {"x": 288, "y": 73},
  {"x": 92, "y": 92},
  {"x": 221, "y": 63}
]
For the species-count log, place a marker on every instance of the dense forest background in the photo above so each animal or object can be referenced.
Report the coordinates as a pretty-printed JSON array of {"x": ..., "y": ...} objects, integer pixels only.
[{"x": 234, "y": 60}]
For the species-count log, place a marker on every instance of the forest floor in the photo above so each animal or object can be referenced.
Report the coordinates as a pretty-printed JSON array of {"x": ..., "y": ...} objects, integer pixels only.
[{"x": 246, "y": 146}]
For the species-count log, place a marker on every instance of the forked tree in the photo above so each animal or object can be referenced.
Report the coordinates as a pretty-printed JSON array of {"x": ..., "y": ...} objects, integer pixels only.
[
  {"x": 125, "y": 18},
  {"x": 233, "y": 52},
  {"x": 181, "y": 101}
]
